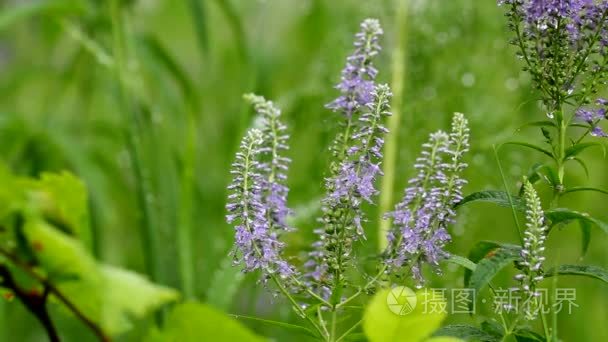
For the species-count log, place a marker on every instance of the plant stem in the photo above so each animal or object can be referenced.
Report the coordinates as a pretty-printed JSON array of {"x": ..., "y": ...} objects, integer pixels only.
[
  {"x": 51, "y": 289},
  {"x": 149, "y": 236},
  {"x": 333, "y": 325},
  {"x": 390, "y": 149},
  {"x": 511, "y": 203},
  {"x": 349, "y": 331}
]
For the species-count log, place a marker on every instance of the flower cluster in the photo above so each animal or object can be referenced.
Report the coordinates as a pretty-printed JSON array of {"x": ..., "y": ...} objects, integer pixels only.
[
  {"x": 594, "y": 117},
  {"x": 419, "y": 231},
  {"x": 357, "y": 83},
  {"x": 257, "y": 203},
  {"x": 347, "y": 190},
  {"x": 533, "y": 249},
  {"x": 564, "y": 45},
  {"x": 275, "y": 163}
]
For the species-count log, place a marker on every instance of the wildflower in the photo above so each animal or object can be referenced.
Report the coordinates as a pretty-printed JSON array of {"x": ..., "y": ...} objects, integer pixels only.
[
  {"x": 276, "y": 164},
  {"x": 256, "y": 243},
  {"x": 594, "y": 118},
  {"x": 357, "y": 83},
  {"x": 533, "y": 250},
  {"x": 347, "y": 190},
  {"x": 420, "y": 220}
]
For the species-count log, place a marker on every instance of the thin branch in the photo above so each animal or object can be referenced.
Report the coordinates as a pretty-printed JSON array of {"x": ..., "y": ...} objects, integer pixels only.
[{"x": 51, "y": 289}]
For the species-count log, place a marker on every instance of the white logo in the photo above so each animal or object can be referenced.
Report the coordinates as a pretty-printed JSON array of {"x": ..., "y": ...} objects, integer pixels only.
[{"x": 401, "y": 300}]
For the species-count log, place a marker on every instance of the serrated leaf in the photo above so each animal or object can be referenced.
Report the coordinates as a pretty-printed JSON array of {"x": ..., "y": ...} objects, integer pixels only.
[
  {"x": 194, "y": 322},
  {"x": 478, "y": 252},
  {"x": 578, "y": 148},
  {"x": 106, "y": 295},
  {"x": 380, "y": 324},
  {"x": 562, "y": 215},
  {"x": 498, "y": 197},
  {"x": 466, "y": 332},
  {"x": 491, "y": 264},
  {"x": 531, "y": 146},
  {"x": 581, "y": 270}
]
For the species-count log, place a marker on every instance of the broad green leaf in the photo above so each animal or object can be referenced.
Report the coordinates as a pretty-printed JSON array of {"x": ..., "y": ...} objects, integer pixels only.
[
  {"x": 286, "y": 326},
  {"x": 462, "y": 261},
  {"x": 491, "y": 264},
  {"x": 62, "y": 200},
  {"x": 382, "y": 324},
  {"x": 531, "y": 146},
  {"x": 126, "y": 295},
  {"x": 224, "y": 284},
  {"x": 582, "y": 270},
  {"x": 478, "y": 252},
  {"x": 466, "y": 332},
  {"x": 498, "y": 197},
  {"x": 106, "y": 295},
  {"x": 578, "y": 148},
  {"x": 194, "y": 322},
  {"x": 562, "y": 215}
]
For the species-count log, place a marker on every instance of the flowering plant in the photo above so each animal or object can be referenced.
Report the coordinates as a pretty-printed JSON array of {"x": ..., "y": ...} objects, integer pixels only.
[{"x": 563, "y": 45}]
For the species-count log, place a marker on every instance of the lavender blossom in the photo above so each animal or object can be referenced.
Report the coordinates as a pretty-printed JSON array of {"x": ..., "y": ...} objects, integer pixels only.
[
  {"x": 357, "y": 83},
  {"x": 594, "y": 117},
  {"x": 532, "y": 253},
  {"x": 347, "y": 190},
  {"x": 256, "y": 243},
  {"x": 420, "y": 220},
  {"x": 275, "y": 163}
]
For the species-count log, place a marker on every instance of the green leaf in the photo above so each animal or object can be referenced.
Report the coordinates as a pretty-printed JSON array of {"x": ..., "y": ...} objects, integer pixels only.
[
  {"x": 466, "y": 332},
  {"x": 224, "y": 284},
  {"x": 562, "y": 215},
  {"x": 578, "y": 148},
  {"x": 443, "y": 339},
  {"x": 528, "y": 145},
  {"x": 194, "y": 322},
  {"x": 491, "y": 264},
  {"x": 106, "y": 295},
  {"x": 527, "y": 335},
  {"x": 584, "y": 188},
  {"x": 542, "y": 123},
  {"x": 381, "y": 324},
  {"x": 62, "y": 199},
  {"x": 581, "y": 270},
  {"x": 478, "y": 252},
  {"x": 498, "y": 197},
  {"x": 287, "y": 326},
  {"x": 462, "y": 261}
]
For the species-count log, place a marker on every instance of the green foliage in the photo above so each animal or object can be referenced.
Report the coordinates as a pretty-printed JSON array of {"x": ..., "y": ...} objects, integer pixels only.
[
  {"x": 193, "y": 322},
  {"x": 381, "y": 324},
  {"x": 580, "y": 270},
  {"x": 467, "y": 333},
  {"x": 493, "y": 261},
  {"x": 497, "y": 197},
  {"x": 55, "y": 218}
]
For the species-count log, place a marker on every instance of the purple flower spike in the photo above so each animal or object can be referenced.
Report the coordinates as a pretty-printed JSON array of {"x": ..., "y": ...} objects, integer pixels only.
[
  {"x": 420, "y": 220},
  {"x": 357, "y": 84}
]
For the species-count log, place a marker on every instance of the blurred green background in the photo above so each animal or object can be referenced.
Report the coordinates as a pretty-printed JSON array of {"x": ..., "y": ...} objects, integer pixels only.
[{"x": 143, "y": 101}]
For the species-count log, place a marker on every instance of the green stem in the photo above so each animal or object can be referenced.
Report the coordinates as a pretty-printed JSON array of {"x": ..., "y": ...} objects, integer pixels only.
[
  {"x": 390, "y": 149},
  {"x": 149, "y": 236},
  {"x": 511, "y": 203},
  {"x": 333, "y": 326},
  {"x": 349, "y": 331}
]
